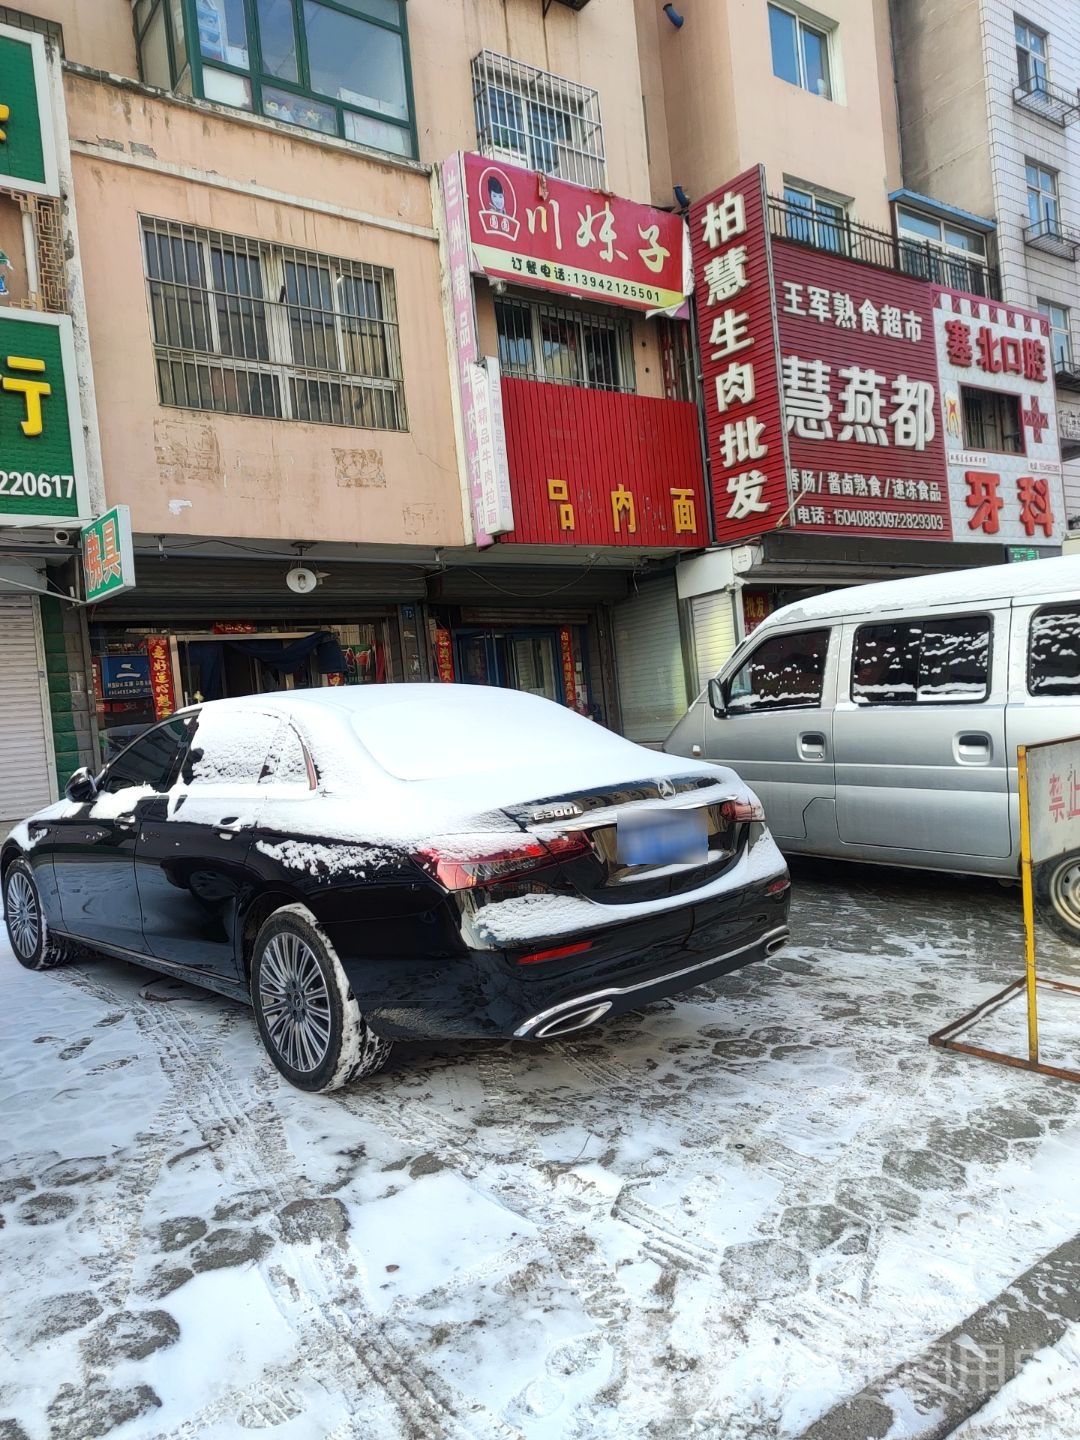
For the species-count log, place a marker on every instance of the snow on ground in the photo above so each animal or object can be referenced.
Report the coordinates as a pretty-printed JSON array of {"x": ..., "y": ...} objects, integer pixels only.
[{"x": 719, "y": 1215}]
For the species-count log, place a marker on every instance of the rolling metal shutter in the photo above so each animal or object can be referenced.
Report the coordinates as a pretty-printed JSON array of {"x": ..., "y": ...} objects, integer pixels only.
[
  {"x": 25, "y": 751},
  {"x": 714, "y": 633},
  {"x": 648, "y": 653}
]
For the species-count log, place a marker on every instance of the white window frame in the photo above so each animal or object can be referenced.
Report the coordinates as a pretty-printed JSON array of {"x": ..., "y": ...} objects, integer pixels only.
[
  {"x": 816, "y": 221},
  {"x": 1048, "y": 308},
  {"x": 941, "y": 243},
  {"x": 1038, "y": 191},
  {"x": 618, "y": 326},
  {"x": 818, "y": 26},
  {"x": 1034, "y": 84},
  {"x": 577, "y": 156}
]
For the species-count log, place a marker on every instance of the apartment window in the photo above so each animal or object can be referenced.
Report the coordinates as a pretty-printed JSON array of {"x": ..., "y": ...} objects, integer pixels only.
[
  {"x": 1042, "y": 197},
  {"x": 800, "y": 52},
  {"x": 1030, "y": 56},
  {"x": 248, "y": 328},
  {"x": 814, "y": 220},
  {"x": 529, "y": 117},
  {"x": 339, "y": 67},
  {"x": 939, "y": 251},
  {"x": 565, "y": 345},
  {"x": 1060, "y": 333},
  {"x": 991, "y": 421}
]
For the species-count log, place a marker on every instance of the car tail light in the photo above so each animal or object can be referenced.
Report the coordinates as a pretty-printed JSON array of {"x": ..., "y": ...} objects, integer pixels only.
[
  {"x": 517, "y": 860},
  {"x": 742, "y": 812},
  {"x": 557, "y": 954},
  {"x": 777, "y": 887}
]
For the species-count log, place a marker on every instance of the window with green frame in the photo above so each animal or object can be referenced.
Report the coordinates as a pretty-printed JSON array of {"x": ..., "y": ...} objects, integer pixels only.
[{"x": 339, "y": 67}]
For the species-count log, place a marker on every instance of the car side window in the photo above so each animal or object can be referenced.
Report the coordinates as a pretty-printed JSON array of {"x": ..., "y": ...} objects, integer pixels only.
[
  {"x": 1054, "y": 651},
  {"x": 784, "y": 672},
  {"x": 286, "y": 761},
  {"x": 229, "y": 747},
  {"x": 149, "y": 760},
  {"x": 922, "y": 662}
]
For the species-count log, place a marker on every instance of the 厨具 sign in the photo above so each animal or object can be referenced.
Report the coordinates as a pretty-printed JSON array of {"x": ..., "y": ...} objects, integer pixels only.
[{"x": 108, "y": 561}]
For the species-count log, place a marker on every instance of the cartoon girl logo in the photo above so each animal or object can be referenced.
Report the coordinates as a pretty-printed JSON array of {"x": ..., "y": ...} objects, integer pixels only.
[
  {"x": 498, "y": 204},
  {"x": 952, "y": 414}
]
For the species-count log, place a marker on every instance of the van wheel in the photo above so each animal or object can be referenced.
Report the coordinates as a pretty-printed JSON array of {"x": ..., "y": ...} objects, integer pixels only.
[
  {"x": 307, "y": 1016},
  {"x": 1057, "y": 894}
]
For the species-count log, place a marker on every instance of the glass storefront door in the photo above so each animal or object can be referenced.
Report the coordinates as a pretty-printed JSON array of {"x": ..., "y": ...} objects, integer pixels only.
[{"x": 512, "y": 659}]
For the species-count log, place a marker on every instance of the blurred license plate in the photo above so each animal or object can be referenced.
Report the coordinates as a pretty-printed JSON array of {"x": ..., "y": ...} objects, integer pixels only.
[{"x": 657, "y": 835}]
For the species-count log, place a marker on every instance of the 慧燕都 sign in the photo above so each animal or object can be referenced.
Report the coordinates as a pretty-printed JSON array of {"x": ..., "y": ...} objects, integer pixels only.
[
  {"x": 108, "y": 561},
  {"x": 27, "y": 146},
  {"x": 42, "y": 459},
  {"x": 540, "y": 231},
  {"x": 736, "y": 321}
]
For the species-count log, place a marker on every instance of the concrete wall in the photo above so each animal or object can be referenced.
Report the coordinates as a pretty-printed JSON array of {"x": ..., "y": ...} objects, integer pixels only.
[
  {"x": 96, "y": 32},
  {"x": 194, "y": 472},
  {"x": 726, "y": 110}
]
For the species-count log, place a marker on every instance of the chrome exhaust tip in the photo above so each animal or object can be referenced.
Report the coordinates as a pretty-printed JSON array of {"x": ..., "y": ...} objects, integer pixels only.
[
  {"x": 571, "y": 1020},
  {"x": 776, "y": 944}
]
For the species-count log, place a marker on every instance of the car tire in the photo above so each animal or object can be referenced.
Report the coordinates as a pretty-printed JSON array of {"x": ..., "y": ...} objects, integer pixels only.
[
  {"x": 308, "y": 1018},
  {"x": 1056, "y": 886},
  {"x": 31, "y": 943}
]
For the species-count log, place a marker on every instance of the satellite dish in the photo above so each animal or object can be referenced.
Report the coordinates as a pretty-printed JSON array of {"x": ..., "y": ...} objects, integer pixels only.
[{"x": 301, "y": 580}]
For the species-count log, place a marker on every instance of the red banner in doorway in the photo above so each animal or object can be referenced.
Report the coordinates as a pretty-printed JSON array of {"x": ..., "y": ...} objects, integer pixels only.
[
  {"x": 161, "y": 676},
  {"x": 444, "y": 655},
  {"x": 566, "y": 649}
]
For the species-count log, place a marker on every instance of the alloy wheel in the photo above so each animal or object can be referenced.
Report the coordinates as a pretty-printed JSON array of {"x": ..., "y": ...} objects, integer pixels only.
[
  {"x": 23, "y": 916},
  {"x": 295, "y": 1002}
]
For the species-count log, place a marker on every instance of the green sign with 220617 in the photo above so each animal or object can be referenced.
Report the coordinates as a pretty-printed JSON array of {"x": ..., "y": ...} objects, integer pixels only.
[{"x": 42, "y": 459}]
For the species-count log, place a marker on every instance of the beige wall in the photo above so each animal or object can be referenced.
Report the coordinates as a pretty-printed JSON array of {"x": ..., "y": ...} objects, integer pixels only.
[
  {"x": 596, "y": 46},
  {"x": 726, "y": 110},
  {"x": 940, "y": 83},
  {"x": 96, "y": 32},
  {"x": 191, "y": 472}
]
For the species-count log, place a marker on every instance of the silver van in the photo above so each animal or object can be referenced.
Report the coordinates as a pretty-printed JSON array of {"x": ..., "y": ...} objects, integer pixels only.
[{"x": 880, "y": 723}]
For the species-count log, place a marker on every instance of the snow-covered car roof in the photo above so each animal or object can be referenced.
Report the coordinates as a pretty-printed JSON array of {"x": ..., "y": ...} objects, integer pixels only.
[{"x": 1026, "y": 580}]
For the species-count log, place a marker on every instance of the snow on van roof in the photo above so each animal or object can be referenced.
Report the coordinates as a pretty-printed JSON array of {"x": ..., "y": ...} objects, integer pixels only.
[{"x": 992, "y": 582}]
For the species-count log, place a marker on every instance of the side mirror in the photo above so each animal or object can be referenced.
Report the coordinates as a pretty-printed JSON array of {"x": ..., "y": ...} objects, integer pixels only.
[
  {"x": 716, "y": 698},
  {"x": 82, "y": 786}
]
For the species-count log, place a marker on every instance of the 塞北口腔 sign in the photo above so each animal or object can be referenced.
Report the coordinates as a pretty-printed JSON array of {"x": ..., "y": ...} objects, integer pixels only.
[
  {"x": 42, "y": 459},
  {"x": 539, "y": 231}
]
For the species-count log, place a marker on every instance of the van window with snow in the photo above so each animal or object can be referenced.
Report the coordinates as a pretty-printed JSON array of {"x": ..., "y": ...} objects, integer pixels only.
[
  {"x": 783, "y": 672},
  {"x": 1054, "y": 651},
  {"x": 229, "y": 747},
  {"x": 917, "y": 662}
]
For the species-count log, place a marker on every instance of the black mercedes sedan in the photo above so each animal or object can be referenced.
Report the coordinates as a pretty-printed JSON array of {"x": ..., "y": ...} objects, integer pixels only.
[{"x": 400, "y": 861}]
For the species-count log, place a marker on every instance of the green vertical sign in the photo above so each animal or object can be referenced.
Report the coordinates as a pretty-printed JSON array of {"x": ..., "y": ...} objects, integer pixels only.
[
  {"x": 108, "y": 558},
  {"x": 26, "y": 145},
  {"x": 42, "y": 460}
]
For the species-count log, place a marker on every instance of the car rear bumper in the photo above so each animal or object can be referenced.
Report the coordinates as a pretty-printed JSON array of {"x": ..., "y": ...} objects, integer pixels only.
[{"x": 488, "y": 994}]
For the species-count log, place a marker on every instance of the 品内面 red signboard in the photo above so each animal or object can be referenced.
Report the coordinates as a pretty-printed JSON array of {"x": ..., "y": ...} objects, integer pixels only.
[
  {"x": 740, "y": 368},
  {"x": 540, "y": 231},
  {"x": 593, "y": 467},
  {"x": 859, "y": 385}
]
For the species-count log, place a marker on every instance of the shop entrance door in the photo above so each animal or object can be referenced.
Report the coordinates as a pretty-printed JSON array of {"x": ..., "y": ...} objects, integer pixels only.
[{"x": 512, "y": 659}]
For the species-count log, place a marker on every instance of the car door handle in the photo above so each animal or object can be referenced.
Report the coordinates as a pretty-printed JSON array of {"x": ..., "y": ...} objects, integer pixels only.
[
  {"x": 973, "y": 747},
  {"x": 126, "y": 822},
  {"x": 812, "y": 745},
  {"x": 228, "y": 827}
]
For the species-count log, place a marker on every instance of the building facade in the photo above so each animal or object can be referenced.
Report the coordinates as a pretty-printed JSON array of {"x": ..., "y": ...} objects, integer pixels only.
[{"x": 997, "y": 131}]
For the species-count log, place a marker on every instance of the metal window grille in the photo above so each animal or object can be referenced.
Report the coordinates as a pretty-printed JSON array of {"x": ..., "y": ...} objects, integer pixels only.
[
  {"x": 564, "y": 345},
  {"x": 249, "y": 328},
  {"x": 532, "y": 118}
]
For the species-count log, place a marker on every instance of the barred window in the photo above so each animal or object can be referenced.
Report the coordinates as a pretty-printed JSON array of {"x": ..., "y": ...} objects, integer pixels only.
[
  {"x": 249, "y": 328},
  {"x": 563, "y": 344},
  {"x": 532, "y": 118}
]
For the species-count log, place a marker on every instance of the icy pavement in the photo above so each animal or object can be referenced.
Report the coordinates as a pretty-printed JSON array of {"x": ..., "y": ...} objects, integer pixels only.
[{"x": 720, "y": 1216}]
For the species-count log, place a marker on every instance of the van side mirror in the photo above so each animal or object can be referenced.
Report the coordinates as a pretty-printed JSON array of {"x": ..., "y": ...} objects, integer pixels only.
[
  {"x": 716, "y": 698},
  {"x": 82, "y": 786}
]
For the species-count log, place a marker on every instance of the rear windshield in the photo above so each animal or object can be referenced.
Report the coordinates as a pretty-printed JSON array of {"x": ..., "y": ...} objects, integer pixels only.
[{"x": 478, "y": 732}]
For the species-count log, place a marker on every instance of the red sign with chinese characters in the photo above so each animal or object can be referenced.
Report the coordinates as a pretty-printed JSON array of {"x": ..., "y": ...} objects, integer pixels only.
[
  {"x": 444, "y": 655},
  {"x": 740, "y": 369},
  {"x": 161, "y": 675},
  {"x": 859, "y": 381},
  {"x": 590, "y": 467},
  {"x": 537, "y": 230},
  {"x": 566, "y": 655}
]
